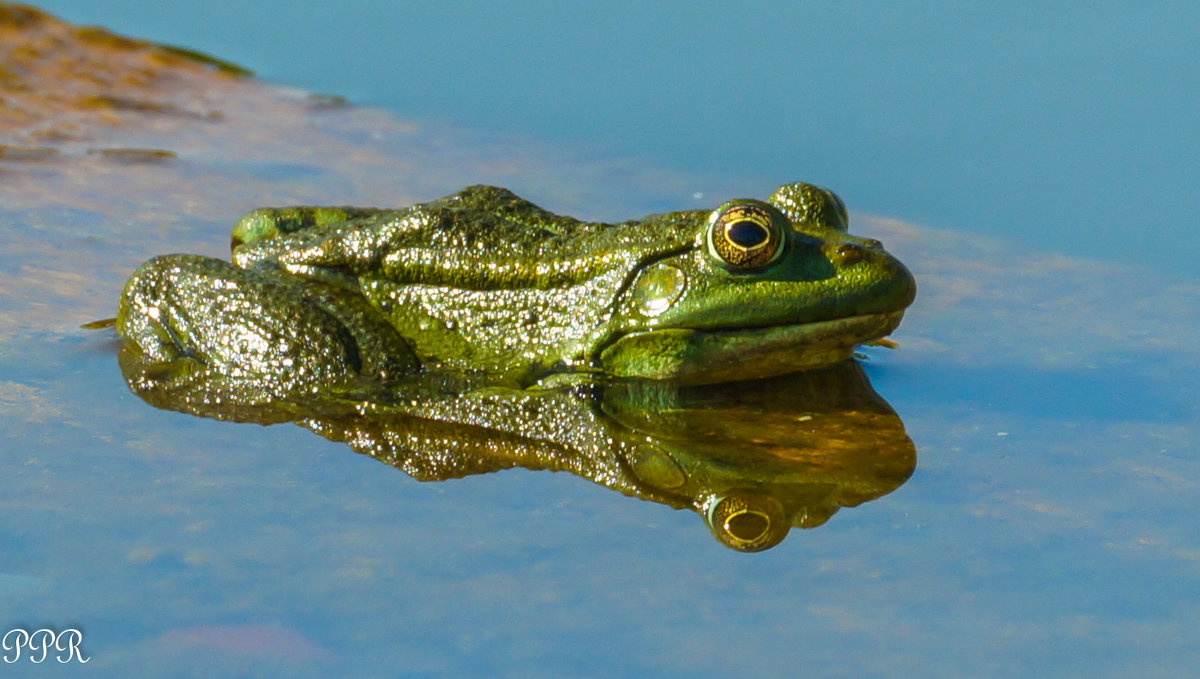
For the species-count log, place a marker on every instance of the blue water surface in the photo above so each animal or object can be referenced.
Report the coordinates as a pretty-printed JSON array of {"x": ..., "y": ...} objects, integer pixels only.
[
  {"x": 1047, "y": 531},
  {"x": 1070, "y": 127}
]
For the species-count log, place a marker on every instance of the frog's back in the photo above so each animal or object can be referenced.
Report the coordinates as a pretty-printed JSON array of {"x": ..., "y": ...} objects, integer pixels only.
[
  {"x": 502, "y": 222},
  {"x": 482, "y": 237}
]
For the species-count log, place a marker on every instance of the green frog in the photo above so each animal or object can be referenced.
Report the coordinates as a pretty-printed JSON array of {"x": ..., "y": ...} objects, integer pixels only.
[{"x": 483, "y": 280}]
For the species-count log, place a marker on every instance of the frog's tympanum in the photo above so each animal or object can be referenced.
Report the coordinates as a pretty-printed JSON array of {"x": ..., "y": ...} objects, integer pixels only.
[
  {"x": 318, "y": 298},
  {"x": 754, "y": 459},
  {"x": 480, "y": 332}
]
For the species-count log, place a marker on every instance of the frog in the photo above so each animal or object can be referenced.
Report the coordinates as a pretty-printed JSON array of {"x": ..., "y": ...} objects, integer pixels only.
[{"x": 323, "y": 298}]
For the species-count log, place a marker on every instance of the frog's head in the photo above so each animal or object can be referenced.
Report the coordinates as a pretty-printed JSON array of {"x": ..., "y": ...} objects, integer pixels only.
[{"x": 766, "y": 288}]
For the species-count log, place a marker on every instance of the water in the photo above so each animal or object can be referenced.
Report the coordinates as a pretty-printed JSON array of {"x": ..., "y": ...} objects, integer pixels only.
[
  {"x": 1070, "y": 128},
  {"x": 1048, "y": 528}
]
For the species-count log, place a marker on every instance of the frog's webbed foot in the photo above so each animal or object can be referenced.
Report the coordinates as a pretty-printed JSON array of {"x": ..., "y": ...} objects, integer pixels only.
[{"x": 225, "y": 328}]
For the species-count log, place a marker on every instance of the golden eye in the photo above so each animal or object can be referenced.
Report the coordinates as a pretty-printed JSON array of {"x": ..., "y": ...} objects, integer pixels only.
[
  {"x": 747, "y": 523},
  {"x": 746, "y": 234}
]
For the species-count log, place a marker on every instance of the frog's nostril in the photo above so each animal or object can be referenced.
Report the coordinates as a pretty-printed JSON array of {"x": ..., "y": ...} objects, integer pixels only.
[{"x": 848, "y": 253}]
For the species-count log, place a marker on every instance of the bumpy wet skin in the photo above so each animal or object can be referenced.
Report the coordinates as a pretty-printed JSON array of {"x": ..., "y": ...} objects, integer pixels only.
[
  {"x": 290, "y": 335},
  {"x": 483, "y": 281}
]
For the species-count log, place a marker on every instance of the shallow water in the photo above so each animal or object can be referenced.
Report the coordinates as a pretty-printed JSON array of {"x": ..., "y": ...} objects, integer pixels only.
[
  {"x": 1047, "y": 530},
  {"x": 1067, "y": 127}
]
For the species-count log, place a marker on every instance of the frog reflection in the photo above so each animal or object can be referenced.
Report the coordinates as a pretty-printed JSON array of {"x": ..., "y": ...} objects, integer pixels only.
[{"x": 753, "y": 459}]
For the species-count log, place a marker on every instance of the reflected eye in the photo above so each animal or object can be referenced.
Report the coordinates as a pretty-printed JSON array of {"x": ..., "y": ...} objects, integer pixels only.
[
  {"x": 747, "y": 523},
  {"x": 746, "y": 235},
  {"x": 748, "y": 526}
]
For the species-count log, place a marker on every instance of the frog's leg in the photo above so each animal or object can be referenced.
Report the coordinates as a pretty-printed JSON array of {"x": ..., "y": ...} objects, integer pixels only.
[{"x": 187, "y": 314}]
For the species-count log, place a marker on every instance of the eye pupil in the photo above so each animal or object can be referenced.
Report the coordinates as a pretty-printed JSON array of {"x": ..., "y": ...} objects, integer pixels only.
[
  {"x": 747, "y": 234},
  {"x": 748, "y": 525}
]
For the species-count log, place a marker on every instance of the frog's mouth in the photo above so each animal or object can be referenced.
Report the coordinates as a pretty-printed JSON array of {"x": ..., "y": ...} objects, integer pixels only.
[{"x": 707, "y": 356}]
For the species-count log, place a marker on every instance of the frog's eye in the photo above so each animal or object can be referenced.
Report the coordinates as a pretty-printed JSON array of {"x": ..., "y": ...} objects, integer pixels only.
[
  {"x": 746, "y": 234},
  {"x": 747, "y": 523}
]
